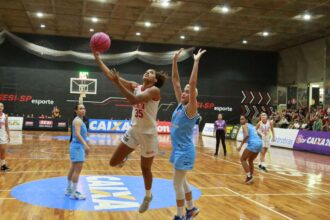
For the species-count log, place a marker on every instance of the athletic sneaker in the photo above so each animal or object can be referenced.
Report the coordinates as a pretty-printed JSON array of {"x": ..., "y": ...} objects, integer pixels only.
[
  {"x": 122, "y": 163},
  {"x": 179, "y": 218},
  {"x": 263, "y": 168},
  {"x": 5, "y": 168},
  {"x": 260, "y": 167},
  {"x": 68, "y": 191},
  {"x": 145, "y": 205},
  {"x": 78, "y": 196},
  {"x": 249, "y": 180},
  {"x": 190, "y": 214}
]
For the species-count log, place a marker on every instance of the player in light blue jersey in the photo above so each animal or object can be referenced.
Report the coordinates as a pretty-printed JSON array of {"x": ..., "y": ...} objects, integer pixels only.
[
  {"x": 254, "y": 146},
  {"x": 78, "y": 149},
  {"x": 183, "y": 150}
]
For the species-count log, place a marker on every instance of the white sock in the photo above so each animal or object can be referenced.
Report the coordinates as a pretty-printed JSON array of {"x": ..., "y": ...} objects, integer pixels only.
[
  {"x": 3, "y": 162},
  {"x": 248, "y": 174},
  {"x": 190, "y": 204},
  {"x": 180, "y": 211},
  {"x": 70, "y": 184},
  {"x": 74, "y": 188},
  {"x": 148, "y": 193}
]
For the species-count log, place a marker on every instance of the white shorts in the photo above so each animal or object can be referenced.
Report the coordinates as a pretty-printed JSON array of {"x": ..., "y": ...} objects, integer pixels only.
[
  {"x": 3, "y": 140},
  {"x": 266, "y": 141},
  {"x": 148, "y": 142}
]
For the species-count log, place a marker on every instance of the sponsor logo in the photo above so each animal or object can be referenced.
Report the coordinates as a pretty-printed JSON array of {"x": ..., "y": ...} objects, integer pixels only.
[
  {"x": 29, "y": 123},
  {"x": 110, "y": 193},
  {"x": 24, "y": 98},
  {"x": 300, "y": 139},
  {"x": 164, "y": 127},
  {"x": 61, "y": 124},
  {"x": 205, "y": 105},
  {"x": 42, "y": 102},
  {"x": 96, "y": 125},
  {"x": 45, "y": 124},
  {"x": 318, "y": 141},
  {"x": 103, "y": 193},
  {"x": 15, "y": 98},
  {"x": 223, "y": 109}
]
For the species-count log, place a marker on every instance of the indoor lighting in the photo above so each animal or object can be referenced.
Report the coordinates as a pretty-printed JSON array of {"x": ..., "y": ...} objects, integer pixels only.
[
  {"x": 147, "y": 24},
  {"x": 182, "y": 37},
  {"x": 94, "y": 19},
  {"x": 91, "y": 30},
  {"x": 40, "y": 15},
  {"x": 224, "y": 9},
  {"x": 197, "y": 28},
  {"x": 307, "y": 17},
  {"x": 265, "y": 33},
  {"x": 244, "y": 42},
  {"x": 165, "y": 3},
  {"x": 137, "y": 33}
]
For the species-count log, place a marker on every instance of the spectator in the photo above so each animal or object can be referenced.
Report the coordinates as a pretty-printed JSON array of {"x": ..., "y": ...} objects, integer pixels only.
[
  {"x": 317, "y": 125},
  {"x": 56, "y": 112}
]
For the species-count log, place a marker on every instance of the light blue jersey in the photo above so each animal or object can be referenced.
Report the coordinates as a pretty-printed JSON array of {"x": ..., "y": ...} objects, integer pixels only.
[
  {"x": 77, "y": 151},
  {"x": 254, "y": 142},
  {"x": 183, "y": 149}
]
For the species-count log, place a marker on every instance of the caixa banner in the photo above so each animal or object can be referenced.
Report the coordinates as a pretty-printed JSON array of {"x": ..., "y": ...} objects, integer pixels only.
[
  {"x": 121, "y": 126},
  {"x": 313, "y": 141}
]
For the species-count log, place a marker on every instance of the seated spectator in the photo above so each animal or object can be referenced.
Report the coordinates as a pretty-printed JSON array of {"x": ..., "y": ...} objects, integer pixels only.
[{"x": 317, "y": 125}]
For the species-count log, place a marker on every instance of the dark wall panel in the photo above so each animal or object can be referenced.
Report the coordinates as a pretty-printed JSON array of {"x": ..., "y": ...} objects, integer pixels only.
[{"x": 223, "y": 75}]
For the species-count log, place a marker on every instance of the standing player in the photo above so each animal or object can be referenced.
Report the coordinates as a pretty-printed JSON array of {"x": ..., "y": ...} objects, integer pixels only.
[
  {"x": 145, "y": 100},
  {"x": 78, "y": 149},
  {"x": 183, "y": 121},
  {"x": 254, "y": 146},
  {"x": 264, "y": 127},
  {"x": 4, "y": 138}
]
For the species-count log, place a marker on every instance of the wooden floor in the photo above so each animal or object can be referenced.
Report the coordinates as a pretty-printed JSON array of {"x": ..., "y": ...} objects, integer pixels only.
[{"x": 297, "y": 186}]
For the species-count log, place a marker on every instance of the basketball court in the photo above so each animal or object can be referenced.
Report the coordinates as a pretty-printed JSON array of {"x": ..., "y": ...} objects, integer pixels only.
[
  {"x": 296, "y": 186},
  {"x": 85, "y": 64}
]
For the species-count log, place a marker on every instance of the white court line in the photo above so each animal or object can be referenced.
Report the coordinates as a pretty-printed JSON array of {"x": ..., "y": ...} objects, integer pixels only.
[
  {"x": 274, "y": 194},
  {"x": 280, "y": 177},
  {"x": 42, "y": 134},
  {"x": 91, "y": 159},
  {"x": 260, "y": 204},
  {"x": 127, "y": 171},
  {"x": 217, "y": 187},
  {"x": 220, "y": 195}
]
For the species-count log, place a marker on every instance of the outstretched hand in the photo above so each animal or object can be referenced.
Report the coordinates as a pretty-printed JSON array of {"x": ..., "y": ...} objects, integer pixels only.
[
  {"x": 177, "y": 54},
  {"x": 199, "y": 54}
]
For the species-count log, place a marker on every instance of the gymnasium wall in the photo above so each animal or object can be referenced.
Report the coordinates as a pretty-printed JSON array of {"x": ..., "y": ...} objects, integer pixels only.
[{"x": 232, "y": 81}]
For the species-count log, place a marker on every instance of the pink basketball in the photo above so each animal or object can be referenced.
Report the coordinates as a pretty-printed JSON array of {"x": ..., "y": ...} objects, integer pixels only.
[{"x": 100, "y": 42}]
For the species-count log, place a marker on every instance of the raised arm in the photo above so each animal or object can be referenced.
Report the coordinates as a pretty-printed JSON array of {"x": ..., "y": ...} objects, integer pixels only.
[
  {"x": 176, "y": 77},
  {"x": 152, "y": 93},
  {"x": 109, "y": 73},
  {"x": 192, "y": 105}
]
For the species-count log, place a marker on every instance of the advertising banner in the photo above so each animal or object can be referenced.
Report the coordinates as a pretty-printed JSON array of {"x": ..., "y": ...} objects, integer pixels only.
[
  {"x": 312, "y": 141},
  {"x": 15, "y": 123}
]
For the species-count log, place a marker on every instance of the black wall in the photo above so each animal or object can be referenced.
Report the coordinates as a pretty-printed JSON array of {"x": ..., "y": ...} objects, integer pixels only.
[{"x": 223, "y": 75}]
